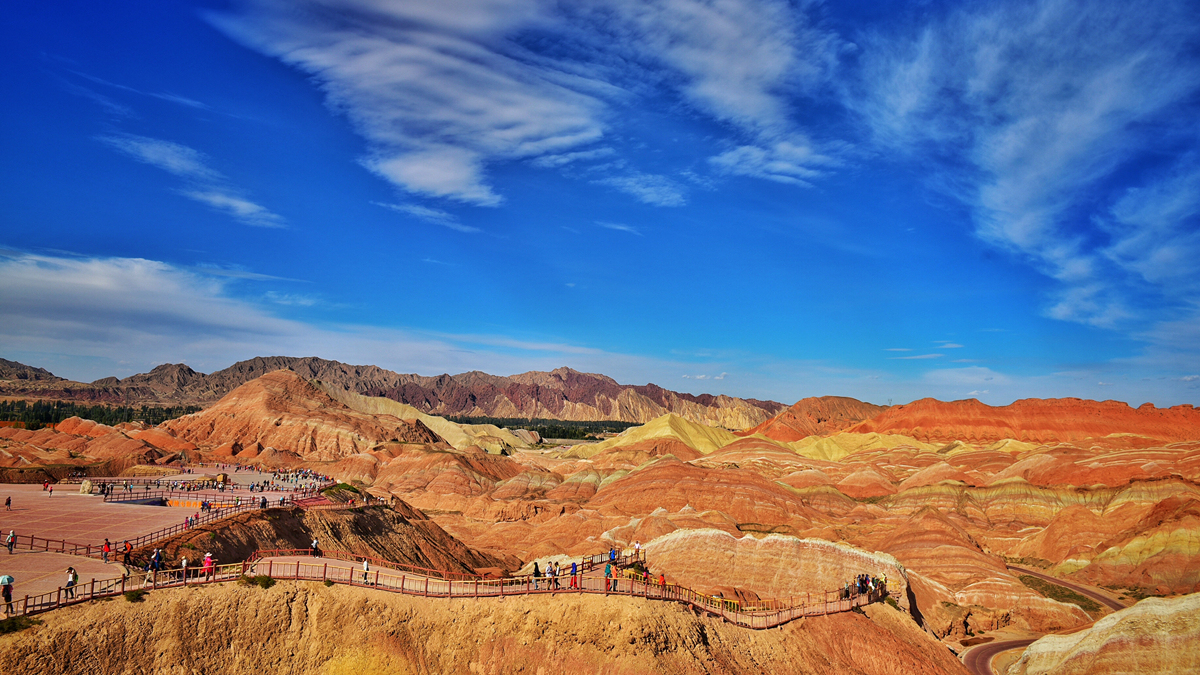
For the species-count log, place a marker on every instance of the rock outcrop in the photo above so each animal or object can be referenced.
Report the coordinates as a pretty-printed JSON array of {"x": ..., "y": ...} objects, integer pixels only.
[
  {"x": 815, "y": 417},
  {"x": 1155, "y": 636}
]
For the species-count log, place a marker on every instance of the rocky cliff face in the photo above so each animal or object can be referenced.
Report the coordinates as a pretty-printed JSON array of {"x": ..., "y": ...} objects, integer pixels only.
[
  {"x": 306, "y": 628},
  {"x": 1155, "y": 636}
]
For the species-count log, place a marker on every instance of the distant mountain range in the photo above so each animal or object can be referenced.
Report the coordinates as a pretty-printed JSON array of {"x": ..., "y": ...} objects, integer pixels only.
[{"x": 562, "y": 394}]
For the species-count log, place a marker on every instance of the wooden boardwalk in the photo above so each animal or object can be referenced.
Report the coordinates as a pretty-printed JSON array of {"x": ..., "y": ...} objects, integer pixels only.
[{"x": 345, "y": 569}]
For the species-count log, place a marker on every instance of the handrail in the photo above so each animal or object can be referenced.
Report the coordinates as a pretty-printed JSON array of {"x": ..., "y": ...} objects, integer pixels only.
[
  {"x": 218, "y": 512},
  {"x": 428, "y": 587},
  {"x": 353, "y": 557}
]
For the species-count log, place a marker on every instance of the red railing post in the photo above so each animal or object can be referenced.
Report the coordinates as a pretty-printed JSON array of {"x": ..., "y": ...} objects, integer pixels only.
[
  {"x": 402, "y": 585},
  {"x": 325, "y": 572},
  {"x": 92, "y": 594},
  {"x": 154, "y": 581}
]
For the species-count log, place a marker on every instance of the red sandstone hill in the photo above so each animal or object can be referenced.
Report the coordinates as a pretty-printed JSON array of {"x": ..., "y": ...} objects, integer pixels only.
[
  {"x": 1033, "y": 420},
  {"x": 816, "y": 416},
  {"x": 283, "y": 411}
]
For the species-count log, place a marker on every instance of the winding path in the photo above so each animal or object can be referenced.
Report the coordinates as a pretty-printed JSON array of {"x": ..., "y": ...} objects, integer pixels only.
[
  {"x": 978, "y": 660},
  {"x": 1114, "y": 605}
]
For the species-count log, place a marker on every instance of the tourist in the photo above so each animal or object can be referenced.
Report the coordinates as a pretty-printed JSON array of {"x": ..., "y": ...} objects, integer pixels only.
[
  {"x": 537, "y": 575},
  {"x": 11, "y": 540},
  {"x": 8, "y": 589},
  {"x": 608, "y": 580},
  {"x": 72, "y": 579},
  {"x": 662, "y": 583},
  {"x": 45, "y": 484},
  {"x": 106, "y": 550},
  {"x": 51, "y": 490},
  {"x": 366, "y": 569},
  {"x": 8, "y": 503},
  {"x": 209, "y": 566},
  {"x": 183, "y": 566},
  {"x": 315, "y": 550},
  {"x": 574, "y": 575}
]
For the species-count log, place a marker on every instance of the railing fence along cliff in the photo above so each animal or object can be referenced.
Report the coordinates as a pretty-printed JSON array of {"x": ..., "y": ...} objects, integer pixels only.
[
  {"x": 35, "y": 543},
  {"x": 426, "y": 586},
  {"x": 135, "y": 495}
]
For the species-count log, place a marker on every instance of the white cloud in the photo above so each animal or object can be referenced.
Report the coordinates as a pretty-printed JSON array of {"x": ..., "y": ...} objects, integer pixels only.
[
  {"x": 1028, "y": 108},
  {"x": 977, "y": 392},
  {"x": 430, "y": 215},
  {"x": 442, "y": 91},
  {"x": 910, "y": 358},
  {"x": 551, "y": 161},
  {"x": 238, "y": 207},
  {"x": 619, "y": 227},
  {"x": 171, "y": 157},
  {"x": 648, "y": 188},
  {"x": 794, "y": 162},
  {"x": 206, "y": 185},
  {"x": 968, "y": 376},
  {"x": 140, "y": 313},
  {"x": 436, "y": 89},
  {"x": 290, "y": 299},
  {"x": 949, "y": 345},
  {"x": 897, "y": 349},
  {"x": 743, "y": 62}
]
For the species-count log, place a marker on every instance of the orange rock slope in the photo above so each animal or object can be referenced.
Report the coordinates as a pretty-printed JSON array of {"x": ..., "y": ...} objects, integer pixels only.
[{"x": 1036, "y": 421}]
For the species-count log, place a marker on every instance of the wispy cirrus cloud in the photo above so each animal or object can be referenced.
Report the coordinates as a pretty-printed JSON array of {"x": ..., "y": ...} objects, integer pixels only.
[
  {"x": 648, "y": 188},
  {"x": 619, "y": 227},
  {"x": 916, "y": 358},
  {"x": 1028, "y": 127},
  {"x": 164, "y": 96},
  {"x": 437, "y": 89},
  {"x": 430, "y": 215},
  {"x": 205, "y": 184},
  {"x": 442, "y": 91}
]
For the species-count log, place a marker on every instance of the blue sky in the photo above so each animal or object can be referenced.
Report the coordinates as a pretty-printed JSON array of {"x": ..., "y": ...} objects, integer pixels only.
[{"x": 752, "y": 197}]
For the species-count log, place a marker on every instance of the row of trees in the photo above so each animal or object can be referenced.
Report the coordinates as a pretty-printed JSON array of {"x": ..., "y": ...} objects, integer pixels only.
[
  {"x": 37, "y": 414},
  {"x": 572, "y": 429}
]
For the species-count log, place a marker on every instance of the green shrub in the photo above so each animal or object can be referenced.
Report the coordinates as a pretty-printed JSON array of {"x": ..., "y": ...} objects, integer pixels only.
[
  {"x": 892, "y": 602},
  {"x": 1060, "y": 593},
  {"x": 328, "y": 583},
  {"x": 135, "y": 596},
  {"x": 16, "y": 623}
]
